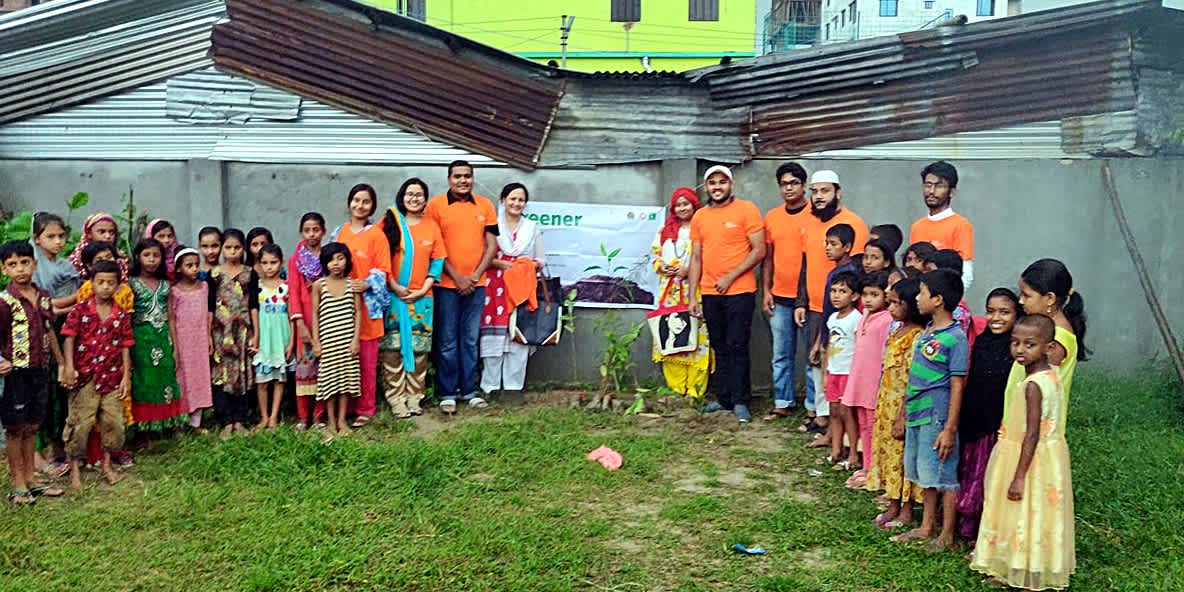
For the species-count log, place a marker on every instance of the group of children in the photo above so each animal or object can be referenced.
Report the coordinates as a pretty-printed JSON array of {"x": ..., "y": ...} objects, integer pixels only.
[
  {"x": 152, "y": 340},
  {"x": 962, "y": 414}
]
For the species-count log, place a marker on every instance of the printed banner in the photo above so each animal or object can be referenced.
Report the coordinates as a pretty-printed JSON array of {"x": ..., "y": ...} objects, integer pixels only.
[{"x": 600, "y": 251}]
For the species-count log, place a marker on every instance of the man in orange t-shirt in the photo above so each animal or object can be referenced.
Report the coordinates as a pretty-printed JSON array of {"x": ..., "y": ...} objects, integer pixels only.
[
  {"x": 826, "y": 209},
  {"x": 782, "y": 274},
  {"x": 732, "y": 234},
  {"x": 942, "y": 227},
  {"x": 468, "y": 226}
]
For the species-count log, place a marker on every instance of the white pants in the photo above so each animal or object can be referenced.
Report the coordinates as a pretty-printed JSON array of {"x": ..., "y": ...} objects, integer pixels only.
[{"x": 507, "y": 371}]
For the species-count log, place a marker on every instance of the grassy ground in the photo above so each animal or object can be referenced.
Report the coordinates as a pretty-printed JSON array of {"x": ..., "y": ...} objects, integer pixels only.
[{"x": 506, "y": 501}]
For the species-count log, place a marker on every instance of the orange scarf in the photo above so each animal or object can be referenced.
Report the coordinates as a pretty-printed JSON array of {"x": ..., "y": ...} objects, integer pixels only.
[{"x": 521, "y": 283}]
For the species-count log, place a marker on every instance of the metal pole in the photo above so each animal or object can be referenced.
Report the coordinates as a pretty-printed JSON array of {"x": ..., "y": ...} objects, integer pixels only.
[
  {"x": 564, "y": 30},
  {"x": 1149, "y": 291}
]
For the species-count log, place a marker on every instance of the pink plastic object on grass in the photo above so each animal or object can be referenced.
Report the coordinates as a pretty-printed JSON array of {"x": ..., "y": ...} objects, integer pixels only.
[{"x": 609, "y": 458}]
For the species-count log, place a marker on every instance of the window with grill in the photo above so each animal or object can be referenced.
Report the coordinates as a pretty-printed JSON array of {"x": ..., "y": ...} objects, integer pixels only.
[
  {"x": 416, "y": 9},
  {"x": 986, "y": 8},
  {"x": 928, "y": 4},
  {"x": 888, "y": 7},
  {"x": 704, "y": 10},
  {"x": 851, "y": 8},
  {"x": 626, "y": 11}
]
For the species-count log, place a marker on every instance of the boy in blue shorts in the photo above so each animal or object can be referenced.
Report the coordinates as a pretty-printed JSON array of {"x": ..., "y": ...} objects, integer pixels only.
[{"x": 933, "y": 402}]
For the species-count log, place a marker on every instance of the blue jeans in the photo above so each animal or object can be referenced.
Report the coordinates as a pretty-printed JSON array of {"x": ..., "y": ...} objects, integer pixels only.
[
  {"x": 457, "y": 319},
  {"x": 809, "y": 332},
  {"x": 785, "y": 349}
]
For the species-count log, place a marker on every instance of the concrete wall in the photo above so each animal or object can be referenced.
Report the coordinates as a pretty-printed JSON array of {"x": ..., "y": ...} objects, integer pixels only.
[
  {"x": 1022, "y": 210},
  {"x": 1026, "y": 210}
]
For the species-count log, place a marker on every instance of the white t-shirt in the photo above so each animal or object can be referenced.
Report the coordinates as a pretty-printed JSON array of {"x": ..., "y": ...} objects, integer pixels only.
[{"x": 841, "y": 345}]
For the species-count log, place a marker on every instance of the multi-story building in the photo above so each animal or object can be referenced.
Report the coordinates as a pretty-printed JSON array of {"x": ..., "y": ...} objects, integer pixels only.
[
  {"x": 792, "y": 24},
  {"x": 605, "y": 35},
  {"x": 846, "y": 20},
  {"x": 11, "y": 5}
]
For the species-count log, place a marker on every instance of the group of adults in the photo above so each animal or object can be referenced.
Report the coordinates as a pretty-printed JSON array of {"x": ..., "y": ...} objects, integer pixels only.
[
  {"x": 727, "y": 238},
  {"x": 455, "y": 271}
]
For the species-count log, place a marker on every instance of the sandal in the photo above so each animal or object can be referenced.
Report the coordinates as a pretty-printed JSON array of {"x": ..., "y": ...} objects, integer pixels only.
[
  {"x": 892, "y": 524},
  {"x": 777, "y": 413},
  {"x": 448, "y": 406},
  {"x": 360, "y": 421},
  {"x": 843, "y": 465},
  {"x": 21, "y": 498},
  {"x": 46, "y": 491},
  {"x": 857, "y": 480},
  {"x": 479, "y": 403}
]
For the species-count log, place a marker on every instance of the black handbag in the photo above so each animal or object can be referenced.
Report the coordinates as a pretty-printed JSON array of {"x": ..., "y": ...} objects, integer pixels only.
[{"x": 541, "y": 326}]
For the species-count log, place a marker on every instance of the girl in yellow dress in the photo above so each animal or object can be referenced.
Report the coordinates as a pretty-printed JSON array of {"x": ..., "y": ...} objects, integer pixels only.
[{"x": 1026, "y": 538}]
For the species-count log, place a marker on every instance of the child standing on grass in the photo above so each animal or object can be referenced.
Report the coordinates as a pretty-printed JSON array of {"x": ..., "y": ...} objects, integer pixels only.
[
  {"x": 92, "y": 253},
  {"x": 57, "y": 276},
  {"x": 1026, "y": 539},
  {"x": 98, "y": 364},
  {"x": 982, "y": 405},
  {"x": 235, "y": 337},
  {"x": 191, "y": 315},
  {"x": 859, "y": 398},
  {"x": 336, "y": 337},
  {"x": 157, "y": 403},
  {"x": 887, "y": 471},
  {"x": 933, "y": 406},
  {"x": 304, "y": 269},
  {"x": 840, "y": 239},
  {"x": 26, "y": 342},
  {"x": 209, "y": 240},
  {"x": 276, "y": 339},
  {"x": 841, "y": 326}
]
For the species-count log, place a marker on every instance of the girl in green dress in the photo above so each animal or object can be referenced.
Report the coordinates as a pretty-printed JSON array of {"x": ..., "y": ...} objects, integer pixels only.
[{"x": 157, "y": 404}]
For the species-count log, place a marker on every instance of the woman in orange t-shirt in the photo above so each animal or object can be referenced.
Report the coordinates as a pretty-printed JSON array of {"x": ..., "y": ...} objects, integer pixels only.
[
  {"x": 371, "y": 255},
  {"x": 417, "y": 260}
]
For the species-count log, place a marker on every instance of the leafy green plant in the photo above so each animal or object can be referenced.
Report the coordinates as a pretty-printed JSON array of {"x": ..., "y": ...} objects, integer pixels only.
[
  {"x": 20, "y": 226},
  {"x": 617, "y": 358},
  {"x": 133, "y": 219},
  {"x": 567, "y": 319},
  {"x": 608, "y": 266}
]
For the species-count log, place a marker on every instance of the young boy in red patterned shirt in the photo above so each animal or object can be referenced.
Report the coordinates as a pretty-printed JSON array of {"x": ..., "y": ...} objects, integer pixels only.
[{"x": 98, "y": 366}]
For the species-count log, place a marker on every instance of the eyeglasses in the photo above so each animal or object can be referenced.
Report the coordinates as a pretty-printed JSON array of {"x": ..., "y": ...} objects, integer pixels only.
[{"x": 793, "y": 183}]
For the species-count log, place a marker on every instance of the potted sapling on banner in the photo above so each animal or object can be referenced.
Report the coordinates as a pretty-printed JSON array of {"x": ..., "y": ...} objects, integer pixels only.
[{"x": 613, "y": 284}]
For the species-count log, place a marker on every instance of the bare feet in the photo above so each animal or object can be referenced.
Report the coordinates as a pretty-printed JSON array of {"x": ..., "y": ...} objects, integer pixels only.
[
  {"x": 112, "y": 477},
  {"x": 343, "y": 429},
  {"x": 942, "y": 543},
  {"x": 912, "y": 536},
  {"x": 819, "y": 441},
  {"x": 227, "y": 432}
]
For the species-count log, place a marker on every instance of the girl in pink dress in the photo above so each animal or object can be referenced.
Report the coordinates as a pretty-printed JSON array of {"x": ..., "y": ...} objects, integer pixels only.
[
  {"x": 864, "y": 380},
  {"x": 190, "y": 309}
]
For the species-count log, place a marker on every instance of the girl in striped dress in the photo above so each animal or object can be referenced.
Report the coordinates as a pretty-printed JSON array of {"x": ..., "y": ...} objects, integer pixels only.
[{"x": 337, "y": 313}]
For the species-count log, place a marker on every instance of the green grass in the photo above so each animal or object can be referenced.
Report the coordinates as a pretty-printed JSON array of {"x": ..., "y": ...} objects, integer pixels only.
[{"x": 507, "y": 501}]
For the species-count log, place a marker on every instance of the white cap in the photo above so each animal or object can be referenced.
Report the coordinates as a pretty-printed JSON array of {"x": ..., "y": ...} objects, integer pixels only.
[
  {"x": 719, "y": 168},
  {"x": 824, "y": 176},
  {"x": 184, "y": 252}
]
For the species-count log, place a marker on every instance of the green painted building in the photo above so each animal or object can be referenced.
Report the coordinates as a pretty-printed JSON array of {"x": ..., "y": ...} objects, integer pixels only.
[{"x": 605, "y": 35}]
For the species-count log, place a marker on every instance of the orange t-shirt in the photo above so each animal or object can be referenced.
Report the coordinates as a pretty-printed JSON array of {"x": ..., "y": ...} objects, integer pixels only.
[
  {"x": 817, "y": 265},
  {"x": 723, "y": 235},
  {"x": 368, "y": 250},
  {"x": 952, "y": 232},
  {"x": 462, "y": 226},
  {"x": 428, "y": 245},
  {"x": 786, "y": 233}
]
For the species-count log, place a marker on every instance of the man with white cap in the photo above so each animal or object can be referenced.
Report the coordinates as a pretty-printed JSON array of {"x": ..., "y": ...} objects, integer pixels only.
[
  {"x": 727, "y": 242},
  {"x": 827, "y": 210}
]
